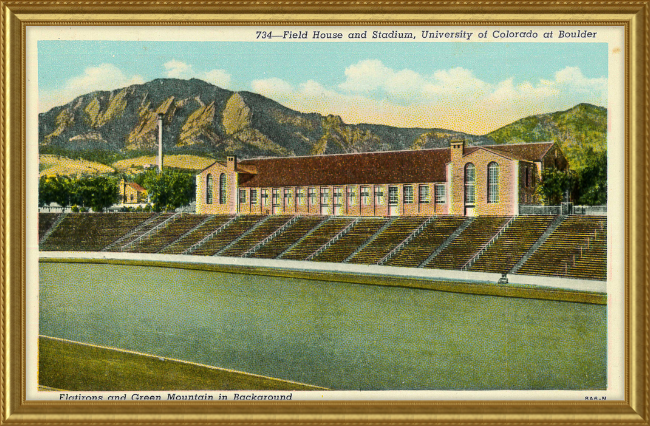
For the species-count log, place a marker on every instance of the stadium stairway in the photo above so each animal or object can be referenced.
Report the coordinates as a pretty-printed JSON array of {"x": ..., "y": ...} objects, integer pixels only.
[
  {"x": 461, "y": 249},
  {"x": 578, "y": 237},
  {"x": 278, "y": 245},
  {"x": 230, "y": 232},
  {"x": 345, "y": 246},
  {"x": 256, "y": 235},
  {"x": 421, "y": 247},
  {"x": 315, "y": 240},
  {"x": 47, "y": 223},
  {"x": 512, "y": 244},
  {"x": 167, "y": 233},
  {"x": 386, "y": 240},
  {"x": 91, "y": 231},
  {"x": 145, "y": 232},
  {"x": 196, "y": 234}
]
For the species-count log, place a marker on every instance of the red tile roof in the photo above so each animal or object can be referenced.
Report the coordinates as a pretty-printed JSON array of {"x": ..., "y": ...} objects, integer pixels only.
[
  {"x": 370, "y": 167},
  {"x": 136, "y": 186}
]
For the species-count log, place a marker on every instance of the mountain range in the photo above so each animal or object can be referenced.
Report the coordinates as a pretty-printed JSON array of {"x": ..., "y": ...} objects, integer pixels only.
[{"x": 200, "y": 118}]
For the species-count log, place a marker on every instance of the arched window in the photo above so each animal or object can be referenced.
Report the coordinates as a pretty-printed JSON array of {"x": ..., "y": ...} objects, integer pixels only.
[
  {"x": 493, "y": 182},
  {"x": 470, "y": 184},
  {"x": 222, "y": 188},
  {"x": 209, "y": 188}
]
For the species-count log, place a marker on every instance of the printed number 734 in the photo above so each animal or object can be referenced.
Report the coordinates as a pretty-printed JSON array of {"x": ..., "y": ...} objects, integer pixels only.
[{"x": 263, "y": 34}]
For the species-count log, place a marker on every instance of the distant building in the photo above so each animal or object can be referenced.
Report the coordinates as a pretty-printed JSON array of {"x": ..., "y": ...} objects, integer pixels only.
[
  {"x": 459, "y": 180},
  {"x": 132, "y": 193}
]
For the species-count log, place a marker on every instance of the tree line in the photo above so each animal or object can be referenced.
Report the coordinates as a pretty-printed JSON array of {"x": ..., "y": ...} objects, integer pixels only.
[
  {"x": 167, "y": 190},
  {"x": 586, "y": 186}
]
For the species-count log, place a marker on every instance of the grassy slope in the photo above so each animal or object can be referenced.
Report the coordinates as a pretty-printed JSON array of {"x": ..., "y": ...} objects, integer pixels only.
[
  {"x": 51, "y": 165},
  {"x": 78, "y": 367}
]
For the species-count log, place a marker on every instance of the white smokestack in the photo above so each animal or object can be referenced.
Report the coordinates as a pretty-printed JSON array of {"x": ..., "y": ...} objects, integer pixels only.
[{"x": 160, "y": 152}]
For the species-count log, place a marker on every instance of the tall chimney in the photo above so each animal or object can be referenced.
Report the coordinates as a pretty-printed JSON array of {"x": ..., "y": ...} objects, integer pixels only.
[
  {"x": 457, "y": 149},
  {"x": 160, "y": 151}
]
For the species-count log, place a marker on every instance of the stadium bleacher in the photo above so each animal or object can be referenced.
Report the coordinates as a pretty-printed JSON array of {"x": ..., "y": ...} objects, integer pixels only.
[
  {"x": 394, "y": 234},
  {"x": 433, "y": 235},
  {"x": 91, "y": 231},
  {"x": 561, "y": 252},
  {"x": 255, "y": 236},
  {"x": 279, "y": 244},
  {"x": 231, "y": 232},
  {"x": 315, "y": 240},
  {"x": 479, "y": 232},
  {"x": 45, "y": 222},
  {"x": 511, "y": 246},
  {"x": 577, "y": 247},
  {"x": 156, "y": 241},
  {"x": 357, "y": 235},
  {"x": 181, "y": 245}
]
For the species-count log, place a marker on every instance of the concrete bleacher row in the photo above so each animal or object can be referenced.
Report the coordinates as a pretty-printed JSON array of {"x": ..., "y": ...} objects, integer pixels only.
[{"x": 575, "y": 246}]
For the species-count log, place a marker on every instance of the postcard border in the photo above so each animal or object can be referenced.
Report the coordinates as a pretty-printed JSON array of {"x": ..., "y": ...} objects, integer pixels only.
[{"x": 17, "y": 15}]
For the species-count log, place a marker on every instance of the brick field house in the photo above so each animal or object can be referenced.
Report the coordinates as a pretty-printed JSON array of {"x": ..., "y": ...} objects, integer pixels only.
[{"x": 459, "y": 180}]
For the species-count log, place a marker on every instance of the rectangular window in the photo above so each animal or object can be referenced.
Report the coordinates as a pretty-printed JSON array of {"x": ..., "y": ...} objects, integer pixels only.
[
  {"x": 365, "y": 195},
  {"x": 324, "y": 196},
  {"x": 312, "y": 197},
  {"x": 338, "y": 196},
  {"x": 408, "y": 194},
  {"x": 393, "y": 195},
  {"x": 276, "y": 197},
  {"x": 288, "y": 193},
  {"x": 242, "y": 196},
  {"x": 352, "y": 196},
  {"x": 254, "y": 197},
  {"x": 423, "y": 195},
  {"x": 441, "y": 196},
  {"x": 265, "y": 197},
  {"x": 300, "y": 197},
  {"x": 379, "y": 196}
]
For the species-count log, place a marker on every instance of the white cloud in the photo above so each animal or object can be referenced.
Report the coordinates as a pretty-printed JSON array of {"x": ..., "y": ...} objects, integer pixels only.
[
  {"x": 102, "y": 77},
  {"x": 271, "y": 87},
  {"x": 448, "y": 98},
  {"x": 178, "y": 69}
]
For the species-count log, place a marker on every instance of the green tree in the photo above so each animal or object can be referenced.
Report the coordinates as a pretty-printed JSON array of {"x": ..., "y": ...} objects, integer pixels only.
[
  {"x": 57, "y": 189},
  {"x": 553, "y": 186},
  {"x": 592, "y": 180},
  {"x": 96, "y": 192},
  {"x": 170, "y": 189}
]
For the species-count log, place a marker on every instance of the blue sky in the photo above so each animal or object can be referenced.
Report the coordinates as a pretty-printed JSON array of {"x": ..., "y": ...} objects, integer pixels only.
[{"x": 472, "y": 87}]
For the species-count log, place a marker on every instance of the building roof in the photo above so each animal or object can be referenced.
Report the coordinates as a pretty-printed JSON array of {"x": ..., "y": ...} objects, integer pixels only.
[
  {"x": 341, "y": 169},
  {"x": 136, "y": 186},
  {"x": 370, "y": 167}
]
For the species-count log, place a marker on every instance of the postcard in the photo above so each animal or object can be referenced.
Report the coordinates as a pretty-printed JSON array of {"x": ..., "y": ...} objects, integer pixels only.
[{"x": 287, "y": 213}]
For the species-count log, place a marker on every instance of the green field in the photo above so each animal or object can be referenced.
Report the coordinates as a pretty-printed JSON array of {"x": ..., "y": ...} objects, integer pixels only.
[
  {"x": 326, "y": 333},
  {"x": 71, "y": 366}
]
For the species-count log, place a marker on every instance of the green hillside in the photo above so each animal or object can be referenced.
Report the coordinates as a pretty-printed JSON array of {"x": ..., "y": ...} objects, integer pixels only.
[{"x": 577, "y": 131}]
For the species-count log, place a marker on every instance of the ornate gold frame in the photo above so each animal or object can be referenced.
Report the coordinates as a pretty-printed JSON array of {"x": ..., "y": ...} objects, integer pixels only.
[{"x": 17, "y": 15}]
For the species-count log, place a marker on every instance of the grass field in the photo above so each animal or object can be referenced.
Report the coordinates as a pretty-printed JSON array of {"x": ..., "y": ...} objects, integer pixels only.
[
  {"x": 181, "y": 161},
  {"x": 52, "y": 165},
  {"x": 79, "y": 367},
  {"x": 326, "y": 333}
]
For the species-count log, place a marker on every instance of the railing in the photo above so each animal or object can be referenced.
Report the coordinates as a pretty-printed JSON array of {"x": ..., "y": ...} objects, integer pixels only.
[
  {"x": 149, "y": 232},
  {"x": 270, "y": 237},
  {"x": 209, "y": 236},
  {"x": 590, "y": 210},
  {"x": 131, "y": 232},
  {"x": 407, "y": 240},
  {"x": 333, "y": 239},
  {"x": 485, "y": 246},
  {"x": 564, "y": 209}
]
